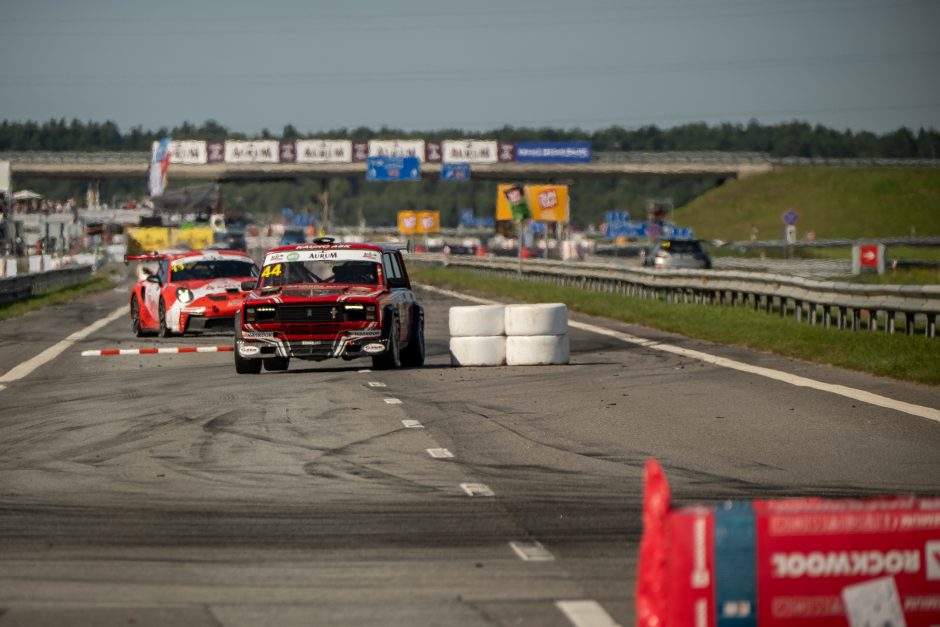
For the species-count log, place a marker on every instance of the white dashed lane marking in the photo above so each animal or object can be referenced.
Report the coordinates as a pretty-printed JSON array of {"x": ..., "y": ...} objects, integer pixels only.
[
  {"x": 586, "y": 613},
  {"x": 439, "y": 453},
  {"x": 531, "y": 551},
  {"x": 777, "y": 375},
  {"x": 476, "y": 489},
  {"x": 412, "y": 424},
  {"x": 376, "y": 384},
  {"x": 393, "y": 401}
]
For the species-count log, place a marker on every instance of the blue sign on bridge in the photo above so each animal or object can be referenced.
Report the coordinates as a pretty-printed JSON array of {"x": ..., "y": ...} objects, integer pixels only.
[
  {"x": 393, "y": 169},
  {"x": 455, "y": 171}
]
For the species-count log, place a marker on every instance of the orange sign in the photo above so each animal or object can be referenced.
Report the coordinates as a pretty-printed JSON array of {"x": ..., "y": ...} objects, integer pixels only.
[
  {"x": 548, "y": 203},
  {"x": 407, "y": 222},
  {"x": 429, "y": 221}
]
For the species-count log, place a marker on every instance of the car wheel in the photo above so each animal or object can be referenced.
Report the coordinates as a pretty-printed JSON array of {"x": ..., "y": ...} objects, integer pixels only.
[
  {"x": 246, "y": 366},
  {"x": 164, "y": 329},
  {"x": 276, "y": 363},
  {"x": 412, "y": 356},
  {"x": 391, "y": 358},
  {"x": 135, "y": 318}
]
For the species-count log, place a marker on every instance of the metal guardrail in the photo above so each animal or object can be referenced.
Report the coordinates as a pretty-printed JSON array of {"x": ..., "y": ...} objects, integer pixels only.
[
  {"x": 25, "y": 285},
  {"x": 831, "y": 304}
]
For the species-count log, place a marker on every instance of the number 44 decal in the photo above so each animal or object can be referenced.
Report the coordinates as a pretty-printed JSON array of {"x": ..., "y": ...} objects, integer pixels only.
[{"x": 273, "y": 270}]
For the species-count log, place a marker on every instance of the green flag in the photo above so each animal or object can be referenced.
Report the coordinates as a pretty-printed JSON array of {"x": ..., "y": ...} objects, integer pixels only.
[{"x": 517, "y": 204}]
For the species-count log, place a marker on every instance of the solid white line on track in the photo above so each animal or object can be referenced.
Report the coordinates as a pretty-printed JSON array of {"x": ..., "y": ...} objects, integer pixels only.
[
  {"x": 439, "y": 453},
  {"x": 55, "y": 350},
  {"x": 531, "y": 551},
  {"x": 853, "y": 393},
  {"x": 476, "y": 489},
  {"x": 412, "y": 424},
  {"x": 586, "y": 613}
]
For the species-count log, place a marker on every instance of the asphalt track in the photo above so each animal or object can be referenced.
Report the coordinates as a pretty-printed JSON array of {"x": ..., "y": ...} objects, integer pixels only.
[{"x": 165, "y": 489}]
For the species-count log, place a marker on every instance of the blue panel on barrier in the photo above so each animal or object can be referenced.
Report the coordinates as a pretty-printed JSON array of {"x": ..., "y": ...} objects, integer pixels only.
[
  {"x": 393, "y": 169},
  {"x": 455, "y": 171},
  {"x": 554, "y": 152}
]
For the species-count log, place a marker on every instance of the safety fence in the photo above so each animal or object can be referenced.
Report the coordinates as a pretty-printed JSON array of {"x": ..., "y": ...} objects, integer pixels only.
[
  {"x": 34, "y": 284},
  {"x": 830, "y": 304}
]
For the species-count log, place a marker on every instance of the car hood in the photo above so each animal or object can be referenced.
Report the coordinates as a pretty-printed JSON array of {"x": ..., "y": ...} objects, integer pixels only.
[
  {"x": 306, "y": 293},
  {"x": 212, "y": 286}
]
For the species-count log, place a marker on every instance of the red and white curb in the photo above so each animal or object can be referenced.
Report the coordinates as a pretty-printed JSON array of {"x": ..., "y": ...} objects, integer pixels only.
[{"x": 158, "y": 351}]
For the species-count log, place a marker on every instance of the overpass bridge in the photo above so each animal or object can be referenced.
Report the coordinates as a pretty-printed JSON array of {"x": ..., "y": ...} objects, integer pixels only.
[{"x": 103, "y": 165}]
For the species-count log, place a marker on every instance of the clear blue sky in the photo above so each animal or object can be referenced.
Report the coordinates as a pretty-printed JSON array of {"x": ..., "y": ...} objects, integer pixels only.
[{"x": 474, "y": 65}]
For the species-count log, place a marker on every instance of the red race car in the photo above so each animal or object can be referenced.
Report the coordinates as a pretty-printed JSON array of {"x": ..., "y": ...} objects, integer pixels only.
[
  {"x": 190, "y": 291},
  {"x": 327, "y": 300}
]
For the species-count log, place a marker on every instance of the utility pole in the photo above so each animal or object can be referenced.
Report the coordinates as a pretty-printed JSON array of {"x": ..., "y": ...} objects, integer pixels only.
[{"x": 325, "y": 201}]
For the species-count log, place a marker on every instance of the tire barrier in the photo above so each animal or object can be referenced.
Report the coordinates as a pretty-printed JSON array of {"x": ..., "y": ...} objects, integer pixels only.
[
  {"x": 537, "y": 350},
  {"x": 516, "y": 335},
  {"x": 478, "y": 351},
  {"x": 810, "y": 561},
  {"x": 542, "y": 319},
  {"x": 477, "y": 321}
]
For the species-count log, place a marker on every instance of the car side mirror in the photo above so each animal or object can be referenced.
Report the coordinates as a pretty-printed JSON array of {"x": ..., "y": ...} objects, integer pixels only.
[
  {"x": 247, "y": 286},
  {"x": 153, "y": 278}
]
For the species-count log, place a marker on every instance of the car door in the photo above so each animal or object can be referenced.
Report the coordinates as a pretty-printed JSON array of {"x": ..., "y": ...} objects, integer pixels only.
[
  {"x": 152, "y": 297},
  {"x": 401, "y": 296}
]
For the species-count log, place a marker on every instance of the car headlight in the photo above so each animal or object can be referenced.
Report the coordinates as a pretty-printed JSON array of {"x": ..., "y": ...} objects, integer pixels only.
[{"x": 184, "y": 295}]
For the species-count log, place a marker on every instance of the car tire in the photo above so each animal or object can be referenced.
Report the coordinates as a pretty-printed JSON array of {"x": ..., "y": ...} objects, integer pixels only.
[
  {"x": 274, "y": 364},
  {"x": 137, "y": 329},
  {"x": 412, "y": 356},
  {"x": 246, "y": 366},
  {"x": 164, "y": 329},
  {"x": 391, "y": 358}
]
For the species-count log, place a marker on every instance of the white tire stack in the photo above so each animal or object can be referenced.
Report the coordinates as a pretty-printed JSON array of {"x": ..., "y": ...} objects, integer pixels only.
[
  {"x": 477, "y": 335},
  {"x": 517, "y": 335},
  {"x": 537, "y": 335}
]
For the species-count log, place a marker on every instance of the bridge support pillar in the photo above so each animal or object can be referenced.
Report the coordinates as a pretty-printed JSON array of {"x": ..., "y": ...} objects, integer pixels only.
[{"x": 93, "y": 194}]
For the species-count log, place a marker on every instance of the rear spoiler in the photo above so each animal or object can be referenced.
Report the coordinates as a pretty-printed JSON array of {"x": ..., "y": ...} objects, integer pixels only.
[{"x": 148, "y": 256}]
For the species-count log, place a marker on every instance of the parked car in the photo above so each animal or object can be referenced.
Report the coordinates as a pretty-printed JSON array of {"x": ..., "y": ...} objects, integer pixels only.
[
  {"x": 677, "y": 253},
  {"x": 293, "y": 235},
  {"x": 327, "y": 300},
  {"x": 189, "y": 291}
]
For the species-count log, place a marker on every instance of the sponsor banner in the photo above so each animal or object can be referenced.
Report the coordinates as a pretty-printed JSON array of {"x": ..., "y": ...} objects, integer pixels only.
[
  {"x": 324, "y": 151},
  {"x": 795, "y": 562},
  {"x": 546, "y": 203},
  {"x": 506, "y": 151},
  {"x": 360, "y": 151},
  {"x": 429, "y": 221},
  {"x": 287, "y": 152},
  {"x": 263, "y": 151},
  {"x": 215, "y": 152},
  {"x": 407, "y": 222},
  {"x": 323, "y": 254},
  {"x": 554, "y": 152},
  {"x": 186, "y": 152},
  {"x": 433, "y": 152},
  {"x": 470, "y": 151},
  {"x": 397, "y": 148}
]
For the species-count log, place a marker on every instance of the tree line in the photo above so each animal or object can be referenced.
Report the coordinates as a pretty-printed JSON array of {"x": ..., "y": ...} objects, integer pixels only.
[{"x": 789, "y": 139}]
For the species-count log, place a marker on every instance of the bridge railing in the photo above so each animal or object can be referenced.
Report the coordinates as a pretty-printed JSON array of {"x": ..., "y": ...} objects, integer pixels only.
[{"x": 830, "y": 304}]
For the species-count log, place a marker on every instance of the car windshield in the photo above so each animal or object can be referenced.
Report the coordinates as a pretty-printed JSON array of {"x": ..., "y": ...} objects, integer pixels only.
[
  {"x": 206, "y": 269},
  {"x": 686, "y": 247},
  {"x": 320, "y": 271}
]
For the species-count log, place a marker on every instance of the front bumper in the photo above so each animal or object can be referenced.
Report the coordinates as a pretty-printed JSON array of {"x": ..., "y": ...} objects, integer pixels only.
[{"x": 343, "y": 345}]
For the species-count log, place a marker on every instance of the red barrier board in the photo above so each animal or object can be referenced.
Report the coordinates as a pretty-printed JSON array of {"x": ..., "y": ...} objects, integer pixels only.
[{"x": 789, "y": 563}]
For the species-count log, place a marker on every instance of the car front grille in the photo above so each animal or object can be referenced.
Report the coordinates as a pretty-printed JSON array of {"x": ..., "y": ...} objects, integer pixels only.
[{"x": 319, "y": 313}]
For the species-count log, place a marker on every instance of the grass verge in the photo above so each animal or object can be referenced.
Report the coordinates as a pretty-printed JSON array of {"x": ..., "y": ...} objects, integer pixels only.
[
  {"x": 18, "y": 308},
  {"x": 896, "y": 356}
]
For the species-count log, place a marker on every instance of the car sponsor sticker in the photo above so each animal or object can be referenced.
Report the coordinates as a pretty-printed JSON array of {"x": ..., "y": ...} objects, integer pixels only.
[
  {"x": 373, "y": 348},
  {"x": 367, "y": 333},
  {"x": 247, "y": 351},
  {"x": 310, "y": 342},
  {"x": 258, "y": 334}
]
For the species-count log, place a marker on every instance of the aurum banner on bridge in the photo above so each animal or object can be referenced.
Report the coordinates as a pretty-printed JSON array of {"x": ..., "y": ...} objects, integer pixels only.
[
  {"x": 324, "y": 151},
  {"x": 397, "y": 148},
  {"x": 262, "y": 151},
  {"x": 186, "y": 152},
  {"x": 548, "y": 203},
  {"x": 470, "y": 151}
]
